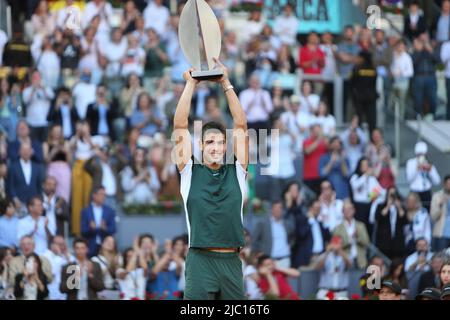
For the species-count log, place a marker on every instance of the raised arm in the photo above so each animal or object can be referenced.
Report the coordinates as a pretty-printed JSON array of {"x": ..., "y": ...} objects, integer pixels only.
[
  {"x": 181, "y": 135},
  {"x": 240, "y": 134}
]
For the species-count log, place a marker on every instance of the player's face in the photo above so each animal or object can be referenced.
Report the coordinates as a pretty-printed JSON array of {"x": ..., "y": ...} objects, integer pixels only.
[{"x": 214, "y": 147}]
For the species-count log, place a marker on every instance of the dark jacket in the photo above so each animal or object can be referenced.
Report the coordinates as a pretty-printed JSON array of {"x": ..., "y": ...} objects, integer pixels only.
[
  {"x": 19, "y": 291},
  {"x": 428, "y": 280},
  {"x": 55, "y": 117},
  {"x": 95, "y": 283},
  {"x": 364, "y": 81},
  {"x": 421, "y": 27},
  {"x": 61, "y": 213},
  {"x": 93, "y": 117},
  {"x": 14, "y": 148},
  {"x": 16, "y": 185}
]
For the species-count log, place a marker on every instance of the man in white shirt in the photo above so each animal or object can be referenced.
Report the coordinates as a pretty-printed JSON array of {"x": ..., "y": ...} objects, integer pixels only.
[
  {"x": 402, "y": 69},
  {"x": 100, "y": 8},
  {"x": 297, "y": 122},
  {"x": 331, "y": 214},
  {"x": 36, "y": 226},
  {"x": 115, "y": 51},
  {"x": 286, "y": 26},
  {"x": 419, "y": 260},
  {"x": 421, "y": 174},
  {"x": 84, "y": 93},
  {"x": 56, "y": 209},
  {"x": 156, "y": 16}
]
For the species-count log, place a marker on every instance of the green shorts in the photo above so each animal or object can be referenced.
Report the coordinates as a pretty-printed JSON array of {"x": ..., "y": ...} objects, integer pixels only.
[{"x": 213, "y": 276}]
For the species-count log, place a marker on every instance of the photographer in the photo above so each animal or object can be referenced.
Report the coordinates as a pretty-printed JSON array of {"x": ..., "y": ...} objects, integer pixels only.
[
  {"x": 419, "y": 260},
  {"x": 422, "y": 174}
]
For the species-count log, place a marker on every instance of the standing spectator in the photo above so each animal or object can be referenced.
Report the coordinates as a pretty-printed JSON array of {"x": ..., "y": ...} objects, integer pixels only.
[
  {"x": 257, "y": 105},
  {"x": 146, "y": 116},
  {"x": 444, "y": 274},
  {"x": 8, "y": 224},
  {"x": 422, "y": 174},
  {"x": 253, "y": 26},
  {"x": 364, "y": 89},
  {"x": 16, "y": 52},
  {"x": 37, "y": 99},
  {"x": 390, "y": 220},
  {"x": 382, "y": 60},
  {"x": 272, "y": 279},
  {"x": 114, "y": 51},
  {"x": 83, "y": 149},
  {"x": 101, "y": 10},
  {"x": 325, "y": 120},
  {"x": 36, "y": 225},
  {"x": 415, "y": 23},
  {"x": 3, "y": 179},
  {"x": 63, "y": 113},
  {"x": 365, "y": 190},
  {"x": 311, "y": 57},
  {"x": 273, "y": 235},
  {"x": 424, "y": 80},
  {"x": 132, "y": 275},
  {"x": 402, "y": 70},
  {"x": 389, "y": 291},
  {"x": 43, "y": 22},
  {"x": 129, "y": 95},
  {"x": 56, "y": 208},
  {"x": 333, "y": 264},
  {"x": 58, "y": 158},
  {"x": 379, "y": 155},
  {"x": 286, "y": 26},
  {"x": 58, "y": 256},
  {"x": 130, "y": 14},
  {"x": 9, "y": 108},
  {"x": 109, "y": 261},
  {"x": 420, "y": 259},
  {"x": 441, "y": 26},
  {"x": 313, "y": 149},
  {"x": 309, "y": 100},
  {"x": 334, "y": 167},
  {"x": 440, "y": 216},
  {"x": 445, "y": 58},
  {"x": 330, "y": 68},
  {"x": 24, "y": 178},
  {"x": 346, "y": 56},
  {"x": 419, "y": 221},
  {"x": 134, "y": 59},
  {"x": 100, "y": 115},
  {"x": 311, "y": 236},
  {"x": 432, "y": 278},
  {"x": 84, "y": 93},
  {"x": 32, "y": 284},
  {"x": 24, "y": 136},
  {"x": 48, "y": 63},
  {"x": 140, "y": 31},
  {"x": 155, "y": 60},
  {"x": 354, "y": 141},
  {"x": 89, "y": 273},
  {"x": 355, "y": 238},
  {"x": 331, "y": 208},
  {"x": 3, "y": 40},
  {"x": 285, "y": 62},
  {"x": 70, "y": 51},
  {"x": 97, "y": 221},
  {"x": 92, "y": 60},
  {"x": 156, "y": 16}
]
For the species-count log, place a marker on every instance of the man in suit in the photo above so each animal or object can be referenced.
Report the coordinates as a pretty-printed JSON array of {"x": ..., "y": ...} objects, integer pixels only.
[
  {"x": 273, "y": 236},
  {"x": 82, "y": 279},
  {"x": 355, "y": 238},
  {"x": 311, "y": 236},
  {"x": 63, "y": 113},
  {"x": 56, "y": 208},
  {"x": 24, "y": 177},
  {"x": 97, "y": 221},
  {"x": 100, "y": 115},
  {"x": 431, "y": 278},
  {"x": 17, "y": 264},
  {"x": 23, "y": 136},
  {"x": 415, "y": 23}
]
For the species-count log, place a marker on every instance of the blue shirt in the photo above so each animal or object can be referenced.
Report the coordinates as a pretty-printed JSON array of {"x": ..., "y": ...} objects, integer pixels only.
[
  {"x": 8, "y": 231},
  {"x": 345, "y": 69},
  {"x": 446, "y": 232},
  {"x": 165, "y": 281},
  {"x": 138, "y": 117},
  {"x": 335, "y": 176},
  {"x": 102, "y": 122}
]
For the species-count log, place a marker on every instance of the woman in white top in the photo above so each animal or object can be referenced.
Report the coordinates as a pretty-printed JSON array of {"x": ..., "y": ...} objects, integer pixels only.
[
  {"x": 309, "y": 101},
  {"x": 326, "y": 120},
  {"x": 419, "y": 222},
  {"x": 365, "y": 189},
  {"x": 140, "y": 181},
  {"x": 43, "y": 22}
]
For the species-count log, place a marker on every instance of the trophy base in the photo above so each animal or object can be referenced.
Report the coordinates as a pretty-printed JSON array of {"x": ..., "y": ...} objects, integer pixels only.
[{"x": 207, "y": 74}]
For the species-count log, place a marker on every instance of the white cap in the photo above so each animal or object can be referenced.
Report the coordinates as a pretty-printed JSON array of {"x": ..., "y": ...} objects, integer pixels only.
[{"x": 421, "y": 148}]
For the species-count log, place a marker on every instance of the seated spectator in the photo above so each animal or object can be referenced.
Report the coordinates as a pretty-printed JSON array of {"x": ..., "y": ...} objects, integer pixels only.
[
  {"x": 58, "y": 256},
  {"x": 431, "y": 278},
  {"x": 47, "y": 62},
  {"x": 132, "y": 276},
  {"x": 440, "y": 217},
  {"x": 354, "y": 141},
  {"x": 146, "y": 117},
  {"x": 24, "y": 136},
  {"x": 156, "y": 16},
  {"x": 285, "y": 61},
  {"x": 314, "y": 148},
  {"x": 24, "y": 178},
  {"x": 419, "y": 222},
  {"x": 325, "y": 120},
  {"x": 19, "y": 264},
  {"x": 333, "y": 265},
  {"x": 309, "y": 100},
  {"x": 355, "y": 239},
  {"x": 272, "y": 236},
  {"x": 444, "y": 274},
  {"x": 397, "y": 274},
  {"x": 8, "y": 224},
  {"x": 311, "y": 236},
  {"x": 213, "y": 112},
  {"x": 139, "y": 180},
  {"x": 32, "y": 284},
  {"x": 3, "y": 179},
  {"x": 97, "y": 221},
  {"x": 63, "y": 113},
  {"x": 390, "y": 222},
  {"x": 58, "y": 158},
  {"x": 334, "y": 167},
  {"x": 89, "y": 272},
  {"x": 156, "y": 59},
  {"x": 100, "y": 115},
  {"x": 56, "y": 207},
  {"x": 273, "y": 279},
  {"x": 331, "y": 213},
  {"x": 420, "y": 259},
  {"x": 402, "y": 70},
  {"x": 109, "y": 261},
  {"x": 390, "y": 290}
]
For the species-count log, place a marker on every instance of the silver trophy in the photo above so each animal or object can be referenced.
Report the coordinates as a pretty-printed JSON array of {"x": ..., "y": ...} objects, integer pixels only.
[{"x": 200, "y": 39}]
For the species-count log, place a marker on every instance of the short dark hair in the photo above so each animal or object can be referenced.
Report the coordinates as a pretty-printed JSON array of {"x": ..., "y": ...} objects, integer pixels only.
[
  {"x": 145, "y": 235},
  {"x": 32, "y": 200},
  {"x": 446, "y": 178},
  {"x": 261, "y": 259},
  {"x": 4, "y": 204},
  {"x": 212, "y": 125},
  {"x": 80, "y": 240},
  {"x": 97, "y": 189}
]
